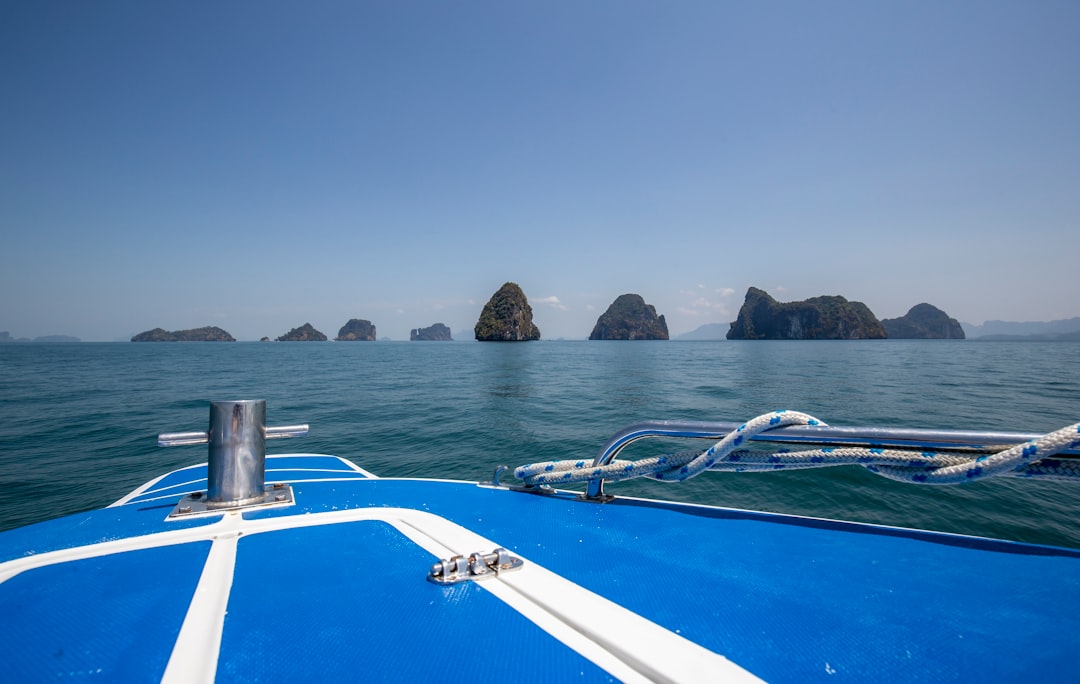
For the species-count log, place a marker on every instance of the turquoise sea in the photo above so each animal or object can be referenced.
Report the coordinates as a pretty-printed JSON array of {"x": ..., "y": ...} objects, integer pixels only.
[{"x": 78, "y": 422}]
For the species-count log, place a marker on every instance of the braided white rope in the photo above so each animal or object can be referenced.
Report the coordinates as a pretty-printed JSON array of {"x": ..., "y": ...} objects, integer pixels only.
[{"x": 924, "y": 467}]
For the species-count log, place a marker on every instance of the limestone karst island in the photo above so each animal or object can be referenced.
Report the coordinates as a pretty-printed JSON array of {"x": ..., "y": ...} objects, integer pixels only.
[
  {"x": 630, "y": 318},
  {"x": 207, "y": 334},
  {"x": 356, "y": 330},
  {"x": 834, "y": 318},
  {"x": 305, "y": 333},
  {"x": 433, "y": 333},
  {"x": 923, "y": 322},
  {"x": 507, "y": 317}
]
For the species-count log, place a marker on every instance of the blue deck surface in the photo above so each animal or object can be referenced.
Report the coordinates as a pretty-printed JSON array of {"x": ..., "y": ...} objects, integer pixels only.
[
  {"x": 357, "y": 591},
  {"x": 789, "y": 599},
  {"x": 112, "y": 618},
  {"x": 93, "y": 527}
]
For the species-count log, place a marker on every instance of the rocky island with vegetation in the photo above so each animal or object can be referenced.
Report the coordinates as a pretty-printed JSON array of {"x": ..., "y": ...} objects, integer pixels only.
[
  {"x": 207, "y": 334},
  {"x": 923, "y": 322},
  {"x": 507, "y": 317},
  {"x": 818, "y": 318},
  {"x": 356, "y": 330},
  {"x": 433, "y": 333},
  {"x": 630, "y": 318},
  {"x": 305, "y": 333}
]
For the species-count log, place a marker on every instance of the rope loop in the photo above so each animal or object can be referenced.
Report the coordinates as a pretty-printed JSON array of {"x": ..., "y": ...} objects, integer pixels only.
[{"x": 1031, "y": 459}]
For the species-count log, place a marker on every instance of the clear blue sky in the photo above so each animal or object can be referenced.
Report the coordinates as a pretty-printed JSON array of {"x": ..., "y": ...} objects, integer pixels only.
[{"x": 259, "y": 165}]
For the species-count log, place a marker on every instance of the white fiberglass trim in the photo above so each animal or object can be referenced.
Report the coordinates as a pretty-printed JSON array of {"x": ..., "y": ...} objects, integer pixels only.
[
  {"x": 149, "y": 486},
  {"x": 623, "y": 643},
  {"x": 170, "y": 491},
  {"x": 144, "y": 488},
  {"x": 195, "y": 654},
  {"x": 352, "y": 466}
]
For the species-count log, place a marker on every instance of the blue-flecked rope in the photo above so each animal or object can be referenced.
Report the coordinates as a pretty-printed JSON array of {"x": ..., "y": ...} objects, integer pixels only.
[{"x": 1031, "y": 459}]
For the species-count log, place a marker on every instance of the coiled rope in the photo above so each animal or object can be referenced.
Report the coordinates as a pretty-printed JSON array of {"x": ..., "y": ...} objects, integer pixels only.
[{"x": 1030, "y": 460}]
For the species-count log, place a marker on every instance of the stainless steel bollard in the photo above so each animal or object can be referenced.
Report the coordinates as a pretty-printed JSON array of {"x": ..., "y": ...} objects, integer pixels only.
[
  {"x": 236, "y": 467},
  {"x": 237, "y": 460}
]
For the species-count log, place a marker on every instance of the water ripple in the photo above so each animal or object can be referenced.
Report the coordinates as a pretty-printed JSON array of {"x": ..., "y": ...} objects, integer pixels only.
[{"x": 80, "y": 421}]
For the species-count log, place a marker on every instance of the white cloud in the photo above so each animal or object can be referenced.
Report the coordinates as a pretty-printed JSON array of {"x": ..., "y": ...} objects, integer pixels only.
[
  {"x": 698, "y": 305},
  {"x": 722, "y": 291},
  {"x": 551, "y": 301}
]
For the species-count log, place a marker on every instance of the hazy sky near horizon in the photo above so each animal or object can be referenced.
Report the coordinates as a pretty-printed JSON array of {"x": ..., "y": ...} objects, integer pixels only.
[{"x": 259, "y": 165}]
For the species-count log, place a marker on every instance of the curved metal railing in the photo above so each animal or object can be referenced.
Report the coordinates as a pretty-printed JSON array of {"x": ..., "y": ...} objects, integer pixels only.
[{"x": 969, "y": 441}]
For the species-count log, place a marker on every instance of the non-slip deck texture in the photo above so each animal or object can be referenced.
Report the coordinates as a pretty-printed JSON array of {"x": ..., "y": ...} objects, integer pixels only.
[
  {"x": 112, "y": 618},
  {"x": 350, "y": 602},
  {"x": 789, "y": 599}
]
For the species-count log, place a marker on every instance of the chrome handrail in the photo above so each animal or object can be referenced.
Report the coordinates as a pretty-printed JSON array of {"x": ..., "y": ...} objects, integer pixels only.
[
  {"x": 819, "y": 435},
  {"x": 167, "y": 439}
]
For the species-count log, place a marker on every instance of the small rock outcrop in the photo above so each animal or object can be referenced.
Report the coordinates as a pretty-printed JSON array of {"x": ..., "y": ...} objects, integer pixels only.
[
  {"x": 305, "y": 333},
  {"x": 507, "y": 317},
  {"x": 356, "y": 330},
  {"x": 818, "y": 318},
  {"x": 207, "y": 334},
  {"x": 923, "y": 322},
  {"x": 630, "y": 318},
  {"x": 435, "y": 333}
]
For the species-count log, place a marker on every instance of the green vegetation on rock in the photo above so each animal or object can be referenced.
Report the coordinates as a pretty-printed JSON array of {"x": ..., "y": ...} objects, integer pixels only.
[
  {"x": 356, "y": 330},
  {"x": 507, "y": 317},
  {"x": 818, "y": 318},
  {"x": 630, "y": 318},
  {"x": 305, "y": 333},
  {"x": 924, "y": 322},
  {"x": 207, "y": 334}
]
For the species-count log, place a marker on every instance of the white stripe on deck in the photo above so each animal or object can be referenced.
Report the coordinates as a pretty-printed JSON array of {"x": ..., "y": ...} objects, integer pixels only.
[
  {"x": 195, "y": 653},
  {"x": 623, "y": 643}
]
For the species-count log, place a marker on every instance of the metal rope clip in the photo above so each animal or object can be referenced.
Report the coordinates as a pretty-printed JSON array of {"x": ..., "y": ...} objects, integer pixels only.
[{"x": 477, "y": 566}]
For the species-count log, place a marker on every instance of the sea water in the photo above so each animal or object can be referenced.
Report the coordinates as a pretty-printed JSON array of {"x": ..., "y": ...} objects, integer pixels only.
[{"x": 78, "y": 422}]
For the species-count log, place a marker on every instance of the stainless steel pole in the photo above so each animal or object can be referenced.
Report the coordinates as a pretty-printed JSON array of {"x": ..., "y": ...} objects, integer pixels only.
[{"x": 237, "y": 459}]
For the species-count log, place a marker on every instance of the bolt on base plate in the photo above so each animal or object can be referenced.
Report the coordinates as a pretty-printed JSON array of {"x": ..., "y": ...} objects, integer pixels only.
[{"x": 196, "y": 503}]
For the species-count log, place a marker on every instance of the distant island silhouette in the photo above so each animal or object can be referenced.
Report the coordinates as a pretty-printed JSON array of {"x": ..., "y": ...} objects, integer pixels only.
[
  {"x": 207, "y": 334},
  {"x": 6, "y": 337},
  {"x": 507, "y": 316}
]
